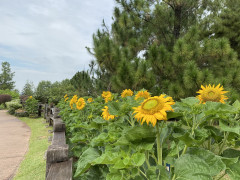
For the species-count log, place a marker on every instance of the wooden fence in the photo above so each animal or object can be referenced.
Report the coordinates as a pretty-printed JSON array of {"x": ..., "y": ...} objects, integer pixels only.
[{"x": 58, "y": 165}]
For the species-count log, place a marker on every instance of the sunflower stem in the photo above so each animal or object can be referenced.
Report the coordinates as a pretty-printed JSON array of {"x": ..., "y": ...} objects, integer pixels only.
[{"x": 159, "y": 145}]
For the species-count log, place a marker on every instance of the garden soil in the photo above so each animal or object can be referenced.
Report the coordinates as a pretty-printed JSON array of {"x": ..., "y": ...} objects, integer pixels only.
[{"x": 14, "y": 138}]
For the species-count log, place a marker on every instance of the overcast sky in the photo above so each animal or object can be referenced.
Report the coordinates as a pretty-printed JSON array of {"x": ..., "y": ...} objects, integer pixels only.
[{"x": 46, "y": 39}]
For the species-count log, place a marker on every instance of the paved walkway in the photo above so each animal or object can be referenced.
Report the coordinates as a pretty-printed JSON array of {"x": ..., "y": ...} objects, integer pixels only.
[{"x": 14, "y": 137}]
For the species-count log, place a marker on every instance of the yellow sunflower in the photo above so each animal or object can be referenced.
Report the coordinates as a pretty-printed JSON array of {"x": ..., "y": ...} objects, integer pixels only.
[
  {"x": 126, "y": 92},
  {"x": 66, "y": 99},
  {"x": 144, "y": 94},
  {"x": 90, "y": 100},
  {"x": 212, "y": 93},
  {"x": 153, "y": 109},
  {"x": 106, "y": 115},
  {"x": 65, "y": 96},
  {"x": 106, "y": 94},
  {"x": 73, "y": 101},
  {"x": 80, "y": 103},
  {"x": 30, "y": 97}
]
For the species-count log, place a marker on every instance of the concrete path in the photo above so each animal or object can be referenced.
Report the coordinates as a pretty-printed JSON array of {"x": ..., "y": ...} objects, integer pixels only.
[{"x": 14, "y": 137}]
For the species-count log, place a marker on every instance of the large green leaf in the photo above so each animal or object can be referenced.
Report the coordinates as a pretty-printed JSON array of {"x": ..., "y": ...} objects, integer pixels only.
[
  {"x": 234, "y": 171},
  {"x": 85, "y": 160},
  {"x": 191, "y": 167},
  {"x": 225, "y": 127},
  {"x": 214, "y": 162}
]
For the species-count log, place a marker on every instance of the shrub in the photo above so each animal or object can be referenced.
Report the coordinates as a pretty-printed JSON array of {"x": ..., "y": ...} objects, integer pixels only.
[
  {"x": 21, "y": 113},
  {"x": 5, "y": 98},
  {"x": 13, "y": 105},
  {"x": 31, "y": 106},
  {"x": 13, "y": 94}
]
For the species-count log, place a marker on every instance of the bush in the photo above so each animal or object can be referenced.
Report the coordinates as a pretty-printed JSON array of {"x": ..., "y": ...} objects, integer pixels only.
[
  {"x": 5, "y": 98},
  {"x": 31, "y": 106},
  {"x": 21, "y": 113},
  {"x": 13, "y": 105},
  {"x": 13, "y": 94}
]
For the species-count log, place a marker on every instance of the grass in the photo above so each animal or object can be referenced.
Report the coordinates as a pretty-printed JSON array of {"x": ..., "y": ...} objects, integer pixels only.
[{"x": 34, "y": 164}]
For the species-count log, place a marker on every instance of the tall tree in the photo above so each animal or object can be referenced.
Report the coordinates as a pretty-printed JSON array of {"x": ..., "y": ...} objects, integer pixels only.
[
  {"x": 163, "y": 46},
  {"x": 28, "y": 89},
  {"x": 83, "y": 83},
  {"x": 6, "y": 77},
  {"x": 43, "y": 91}
]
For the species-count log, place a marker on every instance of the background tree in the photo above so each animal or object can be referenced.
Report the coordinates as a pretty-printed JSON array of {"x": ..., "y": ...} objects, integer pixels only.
[
  {"x": 168, "y": 46},
  {"x": 83, "y": 83},
  {"x": 6, "y": 77},
  {"x": 28, "y": 89},
  {"x": 43, "y": 91}
]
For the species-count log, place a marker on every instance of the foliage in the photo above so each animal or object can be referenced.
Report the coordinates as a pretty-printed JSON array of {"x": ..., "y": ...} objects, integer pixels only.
[
  {"x": 169, "y": 46},
  {"x": 83, "y": 83},
  {"x": 13, "y": 105},
  {"x": 5, "y": 98},
  {"x": 14, "y": 94},
  {"x": 43, "y": 91},
  {"x": 31, "y": 106},
  {"x": 121, "y": 148},
  {"x": 52, "y": 92},
  {"x": 21, "y": 113},
  {"x": 6, "y": 77},
  {"x": 28, "y": 89}
]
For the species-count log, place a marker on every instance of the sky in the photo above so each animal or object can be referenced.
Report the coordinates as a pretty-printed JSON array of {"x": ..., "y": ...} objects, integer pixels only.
[{"x": 46, "y": 39}]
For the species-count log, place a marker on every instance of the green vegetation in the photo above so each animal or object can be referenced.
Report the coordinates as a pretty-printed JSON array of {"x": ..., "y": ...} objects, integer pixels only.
[
  {"x": 6, "y": 77},
  {"x": 34, "y": 164},
  {"x": 125, "y": 137}
]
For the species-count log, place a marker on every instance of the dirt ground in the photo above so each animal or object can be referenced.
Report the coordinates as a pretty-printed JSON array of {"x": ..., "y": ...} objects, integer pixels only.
[{"x": 14, "y": 138}]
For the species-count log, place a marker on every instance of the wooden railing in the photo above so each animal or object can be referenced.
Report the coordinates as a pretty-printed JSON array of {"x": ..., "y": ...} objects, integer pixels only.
[{"x": 58, "y": 165}]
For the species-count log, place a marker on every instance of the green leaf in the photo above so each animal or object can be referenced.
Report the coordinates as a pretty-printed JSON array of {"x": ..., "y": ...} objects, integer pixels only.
[
  {"x": 138, "y": 159},
  {"x": 107, "y": 158},
  {"x": 214, "y": 162},
  {"x": 99, "y": 120},
  {"x": 113, "y": 108},
  {"x": 191, "y": 167},
  {"x": 234, "y": 171},
  {"x": 173, "y": 115},
  {"x": 190, "y": 101},
  {"x": 225, "y": 127},
  {"x": 231, "y": 153},
  {"x": 85, "y": 160},
  {"x": 119, "y": 164},
  {"x": 236, "y": 104}
]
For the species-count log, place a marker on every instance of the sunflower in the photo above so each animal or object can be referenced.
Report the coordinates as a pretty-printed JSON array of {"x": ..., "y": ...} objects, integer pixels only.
[
  {"x": 65, "y": 96},
  {"x": 80, "y": 103},
  {"x": 30, "y": 97},
  {"x": 66, "y": 99},
  {"x": 73, "y": 101},
  {"x": 106, "y": 94},
  {"x": 144, "y": 94},
  {"x": 126, "y": 92},
  {"x": 90, "y": 100},
  {"x": 153, "y": 109},
  {"x": 106, "y": 115},
  {"x": 212, "y": 93}
]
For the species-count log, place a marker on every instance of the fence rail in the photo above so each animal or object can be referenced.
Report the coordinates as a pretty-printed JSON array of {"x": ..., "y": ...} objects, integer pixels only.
[{"x": 58, "y": 165}]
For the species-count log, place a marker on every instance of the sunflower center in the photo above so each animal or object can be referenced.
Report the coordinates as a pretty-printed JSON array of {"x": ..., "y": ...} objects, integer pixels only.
[
  {"x": 212, "y": 95},
  {"x": 151, "y": 104}
]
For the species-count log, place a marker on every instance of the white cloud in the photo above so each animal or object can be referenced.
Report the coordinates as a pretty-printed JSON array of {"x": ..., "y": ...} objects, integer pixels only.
[{"x": 46, "y": 39}]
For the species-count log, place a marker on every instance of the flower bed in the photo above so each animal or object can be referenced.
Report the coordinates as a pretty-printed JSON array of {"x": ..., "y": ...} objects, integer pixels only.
[{"x": 135, "y": 136}]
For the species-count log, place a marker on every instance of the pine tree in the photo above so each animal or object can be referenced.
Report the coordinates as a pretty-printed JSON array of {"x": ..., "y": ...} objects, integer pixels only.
[
  {"x": 166, "y": 47},
  {"x": 6, "y": 77}
]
